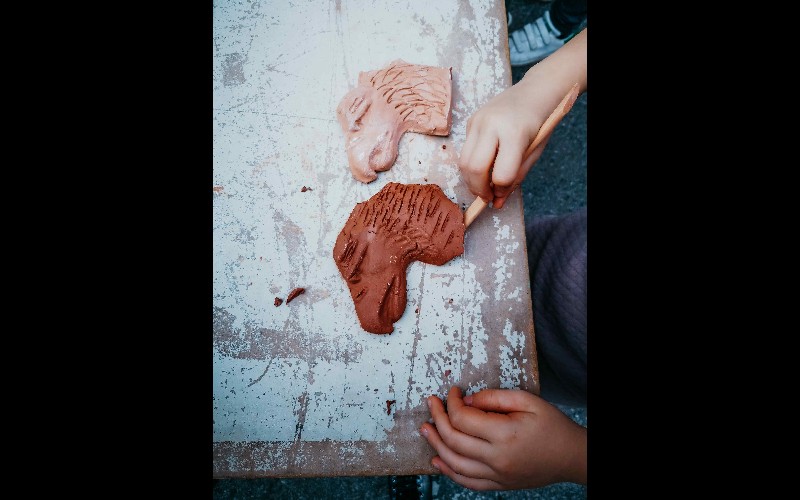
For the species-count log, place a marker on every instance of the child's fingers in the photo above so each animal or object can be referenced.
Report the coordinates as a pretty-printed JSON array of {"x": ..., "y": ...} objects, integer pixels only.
[
  {"x": 506, "y": 167},
  {"x": 502, "y": 193},
  {"x": 462, "y": 443},
  {"x": 475, "y": 164},
  {"x": 473, "y": 421},
  {"x": 502, "y": 190},
  {"x": 503, "y": 401},
  {"x": 468, "y": 482},
  {"x": 460, "y": 463}
]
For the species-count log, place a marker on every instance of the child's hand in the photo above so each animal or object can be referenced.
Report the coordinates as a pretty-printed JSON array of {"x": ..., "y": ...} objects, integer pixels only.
[
  {"x": 499, "y": 133},
  {"x": 491, "y": 161},
  {"x": 502, "y": 439}
]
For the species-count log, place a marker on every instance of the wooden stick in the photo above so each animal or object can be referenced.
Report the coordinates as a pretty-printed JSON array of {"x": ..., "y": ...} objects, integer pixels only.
[
  {"x": 474, "y": 210},
  {"x": 547, "y": 127}
]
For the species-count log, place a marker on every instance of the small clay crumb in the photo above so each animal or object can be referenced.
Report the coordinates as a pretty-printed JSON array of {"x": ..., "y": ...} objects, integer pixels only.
[
  {"x": 218, "y": 189},
  {"x": 389, "y": 403},
  {"x": 444, "y": 146},
  {"x": 416, "y": 310},
  {"x": 294, "y": 293},
  {"x": 451, "y": 301},
  {"x": 305, "y": 189},
  {"x": 278, "y": 301},
  {"x": 447, "y": 373}
]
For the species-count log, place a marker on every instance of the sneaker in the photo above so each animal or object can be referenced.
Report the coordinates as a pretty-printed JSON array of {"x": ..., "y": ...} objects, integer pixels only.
[{"x": 534, "y": 41}]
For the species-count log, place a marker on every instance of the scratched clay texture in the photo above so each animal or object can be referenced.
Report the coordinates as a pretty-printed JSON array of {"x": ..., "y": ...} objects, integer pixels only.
[{"x": 300, "y": 389}]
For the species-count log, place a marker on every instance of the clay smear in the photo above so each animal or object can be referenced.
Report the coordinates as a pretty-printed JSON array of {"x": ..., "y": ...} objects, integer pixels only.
[
  {"x": 388, "y": 102},
  {"x": 401, "y": 223}
]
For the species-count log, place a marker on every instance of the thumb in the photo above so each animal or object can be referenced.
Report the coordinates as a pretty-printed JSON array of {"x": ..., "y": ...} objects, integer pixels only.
[
  {"x": 501, "y": 194},
  {"x": 503, "y": 400}
]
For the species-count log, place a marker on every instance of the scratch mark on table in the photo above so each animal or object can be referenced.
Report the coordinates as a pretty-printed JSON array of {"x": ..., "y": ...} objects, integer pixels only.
[
  {"x": 301, "y": 416},
  {"x": 417, "y": 335},
  {"x": 298, "y": 428},
  {"x": 262, "y": 375},
  {"x": 299, "y": 117}
]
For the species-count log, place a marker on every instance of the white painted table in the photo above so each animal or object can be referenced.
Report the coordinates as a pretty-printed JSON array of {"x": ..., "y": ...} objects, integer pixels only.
[{"x": 300, "y": 389}]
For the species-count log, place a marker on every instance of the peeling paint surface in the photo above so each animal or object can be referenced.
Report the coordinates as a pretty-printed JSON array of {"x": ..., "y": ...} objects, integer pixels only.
[{"x": 299, "y": 389}]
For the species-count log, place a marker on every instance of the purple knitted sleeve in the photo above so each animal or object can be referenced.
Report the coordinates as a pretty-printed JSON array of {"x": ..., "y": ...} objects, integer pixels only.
[{"x": 557, "y": 265}]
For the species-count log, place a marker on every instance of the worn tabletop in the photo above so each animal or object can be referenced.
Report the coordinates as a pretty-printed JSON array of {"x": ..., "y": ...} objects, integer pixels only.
[{"x": 300, "y": 389}]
